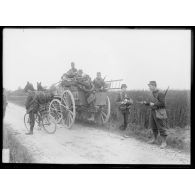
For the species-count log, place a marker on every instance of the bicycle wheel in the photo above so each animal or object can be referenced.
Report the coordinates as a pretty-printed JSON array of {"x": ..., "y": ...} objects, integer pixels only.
[
  {"x": 49, "y": 124},
  {"x": 27, "y": 122},
  {"x": 37, "y": 124}
]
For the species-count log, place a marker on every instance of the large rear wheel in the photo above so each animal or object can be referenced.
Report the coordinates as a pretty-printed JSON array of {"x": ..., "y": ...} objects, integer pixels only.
[
  {"x": 68, "y": 109},
  {"x": 55, "y": 110}
]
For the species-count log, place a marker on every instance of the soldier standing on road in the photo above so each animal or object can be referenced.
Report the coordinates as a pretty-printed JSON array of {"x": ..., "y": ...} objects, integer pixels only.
[
  {"x": 158, "y": 114},
  {"x": 124, "y": 105},
  {"x": 32, "y": 107}
]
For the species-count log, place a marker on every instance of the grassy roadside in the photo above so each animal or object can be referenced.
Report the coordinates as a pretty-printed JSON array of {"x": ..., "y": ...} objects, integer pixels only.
[
  {"x": 178, "y": 138},
  {"x": 18, "y": 153}
]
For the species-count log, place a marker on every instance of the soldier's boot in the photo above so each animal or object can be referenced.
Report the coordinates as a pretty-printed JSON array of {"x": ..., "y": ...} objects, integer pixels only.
[
  {"x": 30, "y": 132},
  {"x": 154, "y": 139},
  {"x": 164, "y": 142}
]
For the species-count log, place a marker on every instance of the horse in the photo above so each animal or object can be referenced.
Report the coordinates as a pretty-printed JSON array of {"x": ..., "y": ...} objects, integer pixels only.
[
  {"x": 40, "y": 87},
  {"x": 29, "y": 86}
]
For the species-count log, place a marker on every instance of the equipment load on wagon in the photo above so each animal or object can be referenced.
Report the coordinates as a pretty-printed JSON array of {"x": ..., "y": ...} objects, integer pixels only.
[{"x": 83, "y": 81}]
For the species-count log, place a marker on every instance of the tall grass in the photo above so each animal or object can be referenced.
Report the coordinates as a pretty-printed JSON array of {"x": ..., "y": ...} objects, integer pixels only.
[{"x": 177, "y": 104}]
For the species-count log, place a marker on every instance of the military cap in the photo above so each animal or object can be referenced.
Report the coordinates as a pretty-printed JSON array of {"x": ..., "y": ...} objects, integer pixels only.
[
  {"x": 153, "y": 83},
  {"x": 123, "y": 86}
]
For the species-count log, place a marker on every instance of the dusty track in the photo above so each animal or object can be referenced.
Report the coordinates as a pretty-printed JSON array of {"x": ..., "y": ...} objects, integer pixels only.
[{"x": 84, "y": 144}]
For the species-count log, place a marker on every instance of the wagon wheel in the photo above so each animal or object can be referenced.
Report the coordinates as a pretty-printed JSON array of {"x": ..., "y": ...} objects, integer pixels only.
[
  {"x": 27, "y": 122},
  {"x": 49, "y": 123},
  {"x": 55, "y": 110},
  {"x": 68, "y": 109},
  {"x": 105, "y": 111}
]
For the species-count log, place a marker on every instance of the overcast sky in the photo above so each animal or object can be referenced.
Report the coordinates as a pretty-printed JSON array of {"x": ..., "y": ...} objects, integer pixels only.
[{"x": 136, "y": 56}]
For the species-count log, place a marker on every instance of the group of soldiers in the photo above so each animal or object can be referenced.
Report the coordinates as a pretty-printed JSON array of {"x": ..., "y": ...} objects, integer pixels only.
[
  {"x": 158, "y": 113},
  {"x": 84, "y": 81}
]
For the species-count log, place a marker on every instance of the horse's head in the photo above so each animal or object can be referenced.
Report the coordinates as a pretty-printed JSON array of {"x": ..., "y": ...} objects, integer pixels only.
[
  {"x": 40, "y": 87},
  {"x": 29, "y": 86}
]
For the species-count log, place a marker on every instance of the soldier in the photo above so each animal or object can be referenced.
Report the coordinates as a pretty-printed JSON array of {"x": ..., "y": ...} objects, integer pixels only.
[
  {"x": 124, "y": 103},
  {"x": 32, "y": 107},
  {"x": 158, "y": 114},
  {"x": 4, "y": 102},
  {"x": 71, "y": 73},
  {"x": 88, "y": 88},
  {"x": 79, "y": 75},
  {"x": 99, "y": 82}
]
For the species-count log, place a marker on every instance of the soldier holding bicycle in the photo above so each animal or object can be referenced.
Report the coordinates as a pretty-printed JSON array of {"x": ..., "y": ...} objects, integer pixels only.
[{"x": 31, "y": 105}]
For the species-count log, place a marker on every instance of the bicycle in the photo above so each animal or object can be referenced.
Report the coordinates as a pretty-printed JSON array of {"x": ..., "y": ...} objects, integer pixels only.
[{"x": 43, "y": 120}]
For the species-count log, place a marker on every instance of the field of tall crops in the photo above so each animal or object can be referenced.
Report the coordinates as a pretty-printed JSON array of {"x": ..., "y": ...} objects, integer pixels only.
[{"x": 177, "y": 104}]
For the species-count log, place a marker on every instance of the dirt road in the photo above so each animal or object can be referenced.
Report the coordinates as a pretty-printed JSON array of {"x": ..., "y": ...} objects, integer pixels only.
[{"x": 86, "y": 145}]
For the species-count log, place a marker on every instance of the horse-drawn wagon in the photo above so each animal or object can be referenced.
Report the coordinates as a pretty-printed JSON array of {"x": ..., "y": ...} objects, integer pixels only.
[{"x": 73, "y": 101}]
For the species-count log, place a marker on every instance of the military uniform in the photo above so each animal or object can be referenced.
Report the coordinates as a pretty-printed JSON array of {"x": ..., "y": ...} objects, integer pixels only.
[
  {"x": 124, "y": 107},
  {"x": 157, "y": 124},
  {"x": 99, "y": 84},
  {"x": 71, "y": 73},
  {"x": 33, "y": 102},
  {"x": 32, "y": 107}
]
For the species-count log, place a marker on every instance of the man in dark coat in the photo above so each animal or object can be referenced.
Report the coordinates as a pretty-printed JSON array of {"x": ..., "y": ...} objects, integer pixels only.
[
  {"x": 32, "y": 107},
  {"x": 124, "y": 103},
  {"x": 158, "y": 114}
]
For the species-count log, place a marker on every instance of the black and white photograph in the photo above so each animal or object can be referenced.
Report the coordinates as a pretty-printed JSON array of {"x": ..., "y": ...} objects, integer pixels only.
[{"x": 93, "y": 96}]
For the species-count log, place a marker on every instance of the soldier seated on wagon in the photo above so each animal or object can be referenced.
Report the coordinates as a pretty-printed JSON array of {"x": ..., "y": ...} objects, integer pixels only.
[
  {"x": 70, "y": 73},
  {"x": 99, "y": 82},
  {"x": 79, "y": 75}
]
